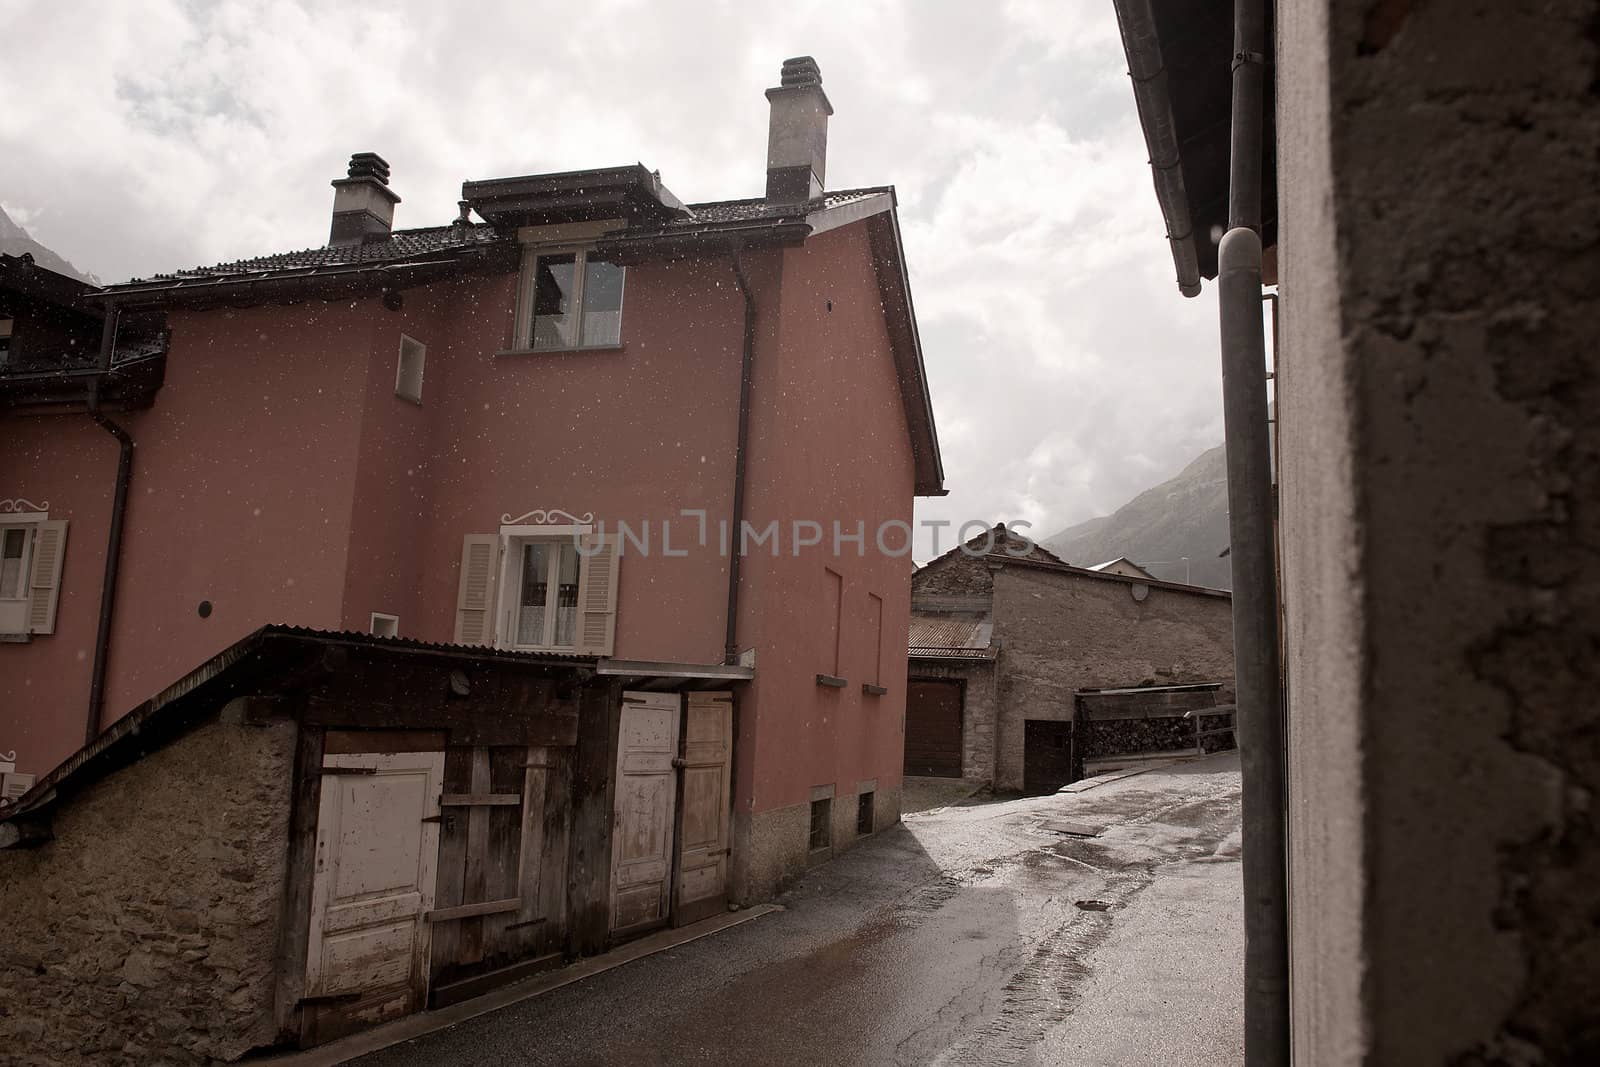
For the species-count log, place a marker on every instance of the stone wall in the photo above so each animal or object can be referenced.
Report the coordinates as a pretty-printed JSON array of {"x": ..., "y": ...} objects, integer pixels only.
[
  {"x": 1440, "y": 463},
  {"x": 964, "y": 571},
  {"x": 978, "y": 712},
  {"x": 956, "y": 575},
  {"x": 146, "y": 931},
  {"x": 1061, "y": 631}
]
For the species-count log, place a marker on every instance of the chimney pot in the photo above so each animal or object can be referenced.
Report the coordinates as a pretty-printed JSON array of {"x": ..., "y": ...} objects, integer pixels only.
[
  {"x": 363, "y": 203},
  {"x": 369, "y": 165},
  {"x": 797, "y": 139}
]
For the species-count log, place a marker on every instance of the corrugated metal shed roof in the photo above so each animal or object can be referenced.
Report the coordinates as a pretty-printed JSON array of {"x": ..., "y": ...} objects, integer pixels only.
[
  {"x": 942, "y": 630},
  {"x": 951, "y": 635}
]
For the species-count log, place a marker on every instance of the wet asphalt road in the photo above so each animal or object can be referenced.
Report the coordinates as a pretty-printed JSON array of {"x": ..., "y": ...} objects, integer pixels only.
[{"x": 952, "y": 939}]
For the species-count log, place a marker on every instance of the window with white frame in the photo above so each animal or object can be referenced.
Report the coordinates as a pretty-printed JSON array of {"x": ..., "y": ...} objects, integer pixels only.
[
  {"x": 31, "y": 549},
  {"x": 569, "y": 300},
  {"x": 539, "y": 588},
  {"x": 408, "y": 369},
  {"x": 544, "y": 610},
  {"x": 383, "y": 625}
]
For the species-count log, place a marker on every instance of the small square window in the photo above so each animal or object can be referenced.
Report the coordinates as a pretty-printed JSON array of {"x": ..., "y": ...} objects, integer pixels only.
[
  {"x": 408, "y": 372},
  {"x": 821, "y": 823},
  {"x": 384, "y": 625},
  {"x": 864, "y": 813}
]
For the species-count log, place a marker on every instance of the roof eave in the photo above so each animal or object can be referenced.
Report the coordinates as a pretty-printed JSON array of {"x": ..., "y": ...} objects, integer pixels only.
[
  {"x": 1083, "y": 572},
  {"x": 894, "y": 288},
  {"x": 1152, "y": 95},
  {"x": 171, "y": 712},
  {"x": 330, "y": 282}
]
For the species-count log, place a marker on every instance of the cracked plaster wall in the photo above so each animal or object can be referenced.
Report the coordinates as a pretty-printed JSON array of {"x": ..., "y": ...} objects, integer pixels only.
[{"x": 1438, "y": 390}]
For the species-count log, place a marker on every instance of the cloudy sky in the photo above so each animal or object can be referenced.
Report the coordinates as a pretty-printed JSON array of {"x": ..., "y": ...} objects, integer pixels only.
[{"x": 1067, "y": 372}]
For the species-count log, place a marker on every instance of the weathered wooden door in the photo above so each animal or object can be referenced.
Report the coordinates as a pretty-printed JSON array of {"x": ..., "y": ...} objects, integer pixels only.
[
  {"x": 703, "y": 844},
  {"x": 377, "y": 846},
  {"x": 1047, "y": 750},
  {"x": 646, "y": 791},
  {"x": 933, "y": 729}
]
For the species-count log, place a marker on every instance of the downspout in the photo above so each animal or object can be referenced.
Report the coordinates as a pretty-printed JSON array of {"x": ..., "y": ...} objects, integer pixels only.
[
  {"x": 730, "y": 651},
  {"x": 1251, "y": 515},
  {"x": 119, "y": 511}
]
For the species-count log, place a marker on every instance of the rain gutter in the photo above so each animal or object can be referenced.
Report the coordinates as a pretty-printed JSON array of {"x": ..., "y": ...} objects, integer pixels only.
[{"x": 1152, "y": 95}]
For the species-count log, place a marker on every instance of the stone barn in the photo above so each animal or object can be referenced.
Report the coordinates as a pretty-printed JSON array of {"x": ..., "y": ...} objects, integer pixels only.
[{"x": 1010, "y": 647}]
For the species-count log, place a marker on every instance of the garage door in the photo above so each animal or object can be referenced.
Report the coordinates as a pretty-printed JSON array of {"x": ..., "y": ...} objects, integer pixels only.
[{"x": 933, "y": 729}]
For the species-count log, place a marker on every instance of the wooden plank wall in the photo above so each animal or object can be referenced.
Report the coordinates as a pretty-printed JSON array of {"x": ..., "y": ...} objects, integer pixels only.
[
  {"x": 299, "y": 871},
  {"x": 537, "y": 754},
  {"x": 500, "y": 852},
  {"x": 593, "y": 786}
]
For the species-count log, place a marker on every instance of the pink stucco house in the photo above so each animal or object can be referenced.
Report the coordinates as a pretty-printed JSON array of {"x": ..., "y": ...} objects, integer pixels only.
[{"x": 546, "y": 427}]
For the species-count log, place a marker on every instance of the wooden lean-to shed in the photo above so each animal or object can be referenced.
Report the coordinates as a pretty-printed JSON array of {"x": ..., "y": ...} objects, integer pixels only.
[{"x": 334, "y": 830}]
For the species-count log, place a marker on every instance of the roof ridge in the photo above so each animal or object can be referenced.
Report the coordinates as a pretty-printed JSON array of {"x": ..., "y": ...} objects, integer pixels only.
[
  {"x": 453, "y": 235},
  {"x": 762, "y": 200}
]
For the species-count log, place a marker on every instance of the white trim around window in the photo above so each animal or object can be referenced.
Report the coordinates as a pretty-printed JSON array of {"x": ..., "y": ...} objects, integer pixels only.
[
  {"x": 408, "y": 369},
  {"x": 383, "y": 625},
  {"x": 567, "y": 301}
]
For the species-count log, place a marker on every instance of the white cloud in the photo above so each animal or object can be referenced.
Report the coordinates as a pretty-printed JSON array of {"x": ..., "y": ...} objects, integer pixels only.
[{"x": 1067, "y": 373}]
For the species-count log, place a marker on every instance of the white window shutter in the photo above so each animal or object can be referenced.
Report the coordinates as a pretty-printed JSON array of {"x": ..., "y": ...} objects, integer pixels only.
[
  {"x": 597, "y": 595},
  {"x": 475, "y": 596},
  {"x": 44, "y": 583}
]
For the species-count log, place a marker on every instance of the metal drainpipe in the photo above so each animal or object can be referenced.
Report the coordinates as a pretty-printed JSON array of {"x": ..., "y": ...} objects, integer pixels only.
[
  {"x": 119, "y": 511},
  {"x": 1251, "y": 530},
  {"x": 741, "y": 448}
]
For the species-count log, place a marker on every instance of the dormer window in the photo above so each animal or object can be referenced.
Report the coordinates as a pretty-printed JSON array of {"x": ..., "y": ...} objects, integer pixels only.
[{"x": 569, "y": 300}]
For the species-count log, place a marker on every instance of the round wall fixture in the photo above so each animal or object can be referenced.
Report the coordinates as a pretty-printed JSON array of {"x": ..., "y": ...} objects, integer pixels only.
[
  {"x": 204, "y": 609},
  {"x": 1139, "y": 591}
]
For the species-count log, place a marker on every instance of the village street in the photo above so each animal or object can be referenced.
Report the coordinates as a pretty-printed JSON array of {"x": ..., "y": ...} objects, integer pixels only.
[{"x": 955, "y": 938}]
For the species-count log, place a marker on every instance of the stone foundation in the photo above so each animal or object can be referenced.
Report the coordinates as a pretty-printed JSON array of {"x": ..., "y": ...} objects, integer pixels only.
[{"x": 772, "y": 848}]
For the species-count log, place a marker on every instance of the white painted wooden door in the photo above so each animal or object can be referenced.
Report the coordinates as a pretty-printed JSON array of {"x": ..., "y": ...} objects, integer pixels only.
[
  {"x": 646, "y": 792},
  {"x": 707, "y": 780},
  {"x": 374, "y": 879}
]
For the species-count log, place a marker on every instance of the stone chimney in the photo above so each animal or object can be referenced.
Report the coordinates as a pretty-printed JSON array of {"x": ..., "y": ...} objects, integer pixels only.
[
  {"x": 797, "y": 141},
  {"x": 363, "y": 205}
]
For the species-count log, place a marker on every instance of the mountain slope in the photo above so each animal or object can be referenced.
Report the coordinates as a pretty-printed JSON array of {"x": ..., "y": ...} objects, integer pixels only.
[
  {"x": 1186, "y": 516},
  {"x": 14, "y": 241}
]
